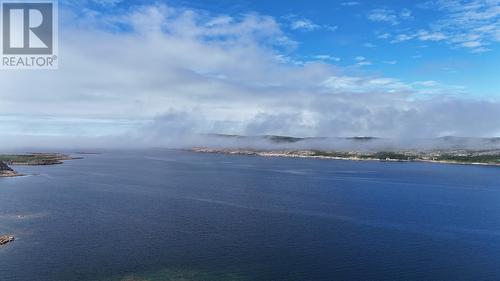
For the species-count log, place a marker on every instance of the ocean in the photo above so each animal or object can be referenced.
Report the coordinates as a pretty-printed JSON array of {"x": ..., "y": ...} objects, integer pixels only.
[{"x": 176, "y": 215}]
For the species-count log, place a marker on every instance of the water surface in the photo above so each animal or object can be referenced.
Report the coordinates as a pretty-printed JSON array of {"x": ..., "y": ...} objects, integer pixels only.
[{"x": 171, "y": 215}]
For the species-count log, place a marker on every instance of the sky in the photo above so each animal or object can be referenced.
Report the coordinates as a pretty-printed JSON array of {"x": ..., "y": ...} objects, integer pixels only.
[{"x": 152, "y": 71}]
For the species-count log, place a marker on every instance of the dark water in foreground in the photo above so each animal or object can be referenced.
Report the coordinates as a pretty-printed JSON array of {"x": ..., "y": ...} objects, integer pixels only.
[{"x": 166, "y": 215}]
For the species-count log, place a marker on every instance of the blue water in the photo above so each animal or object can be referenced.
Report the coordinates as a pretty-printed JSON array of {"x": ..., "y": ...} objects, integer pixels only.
[{"x": 168, "y": 215}]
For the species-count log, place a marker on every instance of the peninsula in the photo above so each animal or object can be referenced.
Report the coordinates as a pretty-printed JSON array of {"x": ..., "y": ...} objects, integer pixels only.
[
  {"x": 35, "y": 159},
  {"x": 29, "y": 159}
]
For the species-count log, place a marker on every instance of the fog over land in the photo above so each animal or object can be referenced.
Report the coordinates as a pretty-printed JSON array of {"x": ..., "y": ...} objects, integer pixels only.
[{"x": 260, "y": 142}]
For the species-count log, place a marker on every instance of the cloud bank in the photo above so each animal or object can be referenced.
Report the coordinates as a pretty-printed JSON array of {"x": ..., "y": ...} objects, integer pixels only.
[{"x": 153, "y": 73}]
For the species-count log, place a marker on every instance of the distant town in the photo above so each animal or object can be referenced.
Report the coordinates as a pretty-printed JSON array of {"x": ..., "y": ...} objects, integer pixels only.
[{"x": 480, "y": 151}]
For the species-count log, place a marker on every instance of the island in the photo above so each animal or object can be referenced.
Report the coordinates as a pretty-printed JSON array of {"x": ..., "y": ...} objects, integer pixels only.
[{"x": 4, "y": 239}]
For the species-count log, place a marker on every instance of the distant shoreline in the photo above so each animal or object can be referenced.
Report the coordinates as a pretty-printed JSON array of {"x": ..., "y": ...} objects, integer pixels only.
[{"x": 308, "y": 154}]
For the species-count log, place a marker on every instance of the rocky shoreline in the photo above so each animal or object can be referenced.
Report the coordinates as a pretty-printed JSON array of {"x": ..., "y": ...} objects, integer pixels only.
[
  {"x": 4, "y": 239},
  {"x": 6, "y": 171}
]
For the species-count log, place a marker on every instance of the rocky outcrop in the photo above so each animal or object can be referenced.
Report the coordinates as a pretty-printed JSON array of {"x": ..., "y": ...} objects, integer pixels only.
[
  {"x": 4, "y": 239},
  {"x": 4, "y": 167},
  {"x": 6, "y": 171}
]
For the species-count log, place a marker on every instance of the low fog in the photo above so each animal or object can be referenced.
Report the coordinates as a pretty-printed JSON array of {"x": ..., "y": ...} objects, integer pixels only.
[{"x": 261, "y": 142}]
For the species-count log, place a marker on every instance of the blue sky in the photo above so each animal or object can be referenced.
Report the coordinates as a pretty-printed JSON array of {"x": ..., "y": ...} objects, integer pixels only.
[
  {"x": 154, "y": 72},
  {"x": 338, "y": 32}
]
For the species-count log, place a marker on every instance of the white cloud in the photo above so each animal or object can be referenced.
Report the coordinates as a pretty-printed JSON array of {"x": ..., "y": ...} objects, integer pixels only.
[
  {"x": 107, "y": 2},
  {"x": 327, "y": 58},
  {"x": 467, "y": 24},
  {"x": 331, "y": 27},
  {"x": 366, "y": 85},
  {"x": 428, "y": 83},
  {"x": 83, "y": 3},
  {"x": 402, "y": 38},
  {"x": 343, "y": 83},
  {"x": 350, "y": 3},
  {"x": 361, "y": 61},
  {"x": 389, "y": 16},
  {"x": 383, "y": 15},
  {"x": 434, "y": 36},
  {"x": 364, "y": 63},
  {"x": 303, "y": 24},
  {"x": 471, "y": 44},
  {"x": 177, "y": 71},
  {"x": 384, "y": 35}
]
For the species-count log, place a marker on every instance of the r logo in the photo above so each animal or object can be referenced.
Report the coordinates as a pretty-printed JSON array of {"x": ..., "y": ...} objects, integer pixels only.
[{"x": 28, "y": 28}]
